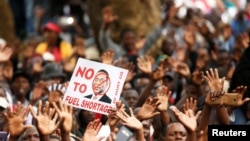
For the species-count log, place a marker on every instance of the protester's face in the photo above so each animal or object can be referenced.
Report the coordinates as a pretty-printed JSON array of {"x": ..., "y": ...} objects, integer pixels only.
[
  {"x": 169, "y": 82},
  {"x": 50, "y": 36},
  {"x": 203, "y": 54},
  {"x": 146, "y": 128},
  {"x": 168, "y": 47},
  {"x": 191, "y": 91},
  {"x": 100, "y": 83},
  {"x": 20, "y": 86},
  {"x": 227, "y": 32},
  {"x": 131, "y": 96},
  {"x": 128, "y": 40},
  {"x": 223, "y": 59},
  {"x": 141, "y": 83},
  {"x": 31, "y": 134},
  {"x": 176, "y": 132}
]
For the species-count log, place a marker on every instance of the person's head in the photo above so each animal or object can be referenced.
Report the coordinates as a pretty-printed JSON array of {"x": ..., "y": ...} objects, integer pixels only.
[
  {"x": 128, "y": 38},
  {"x": 203, "y": 53},
  {"x": 140, "y": 82},
  {"x": 237, "y": 53},
  {"x": 51, "y": 32},
  {"x": 226, "y": 31},
  {"x": 191, "y": 90},
  {"x": 131, "y": 96},
  {"x": 101, "y": 82},
  {"x": 224, "y": 58},
  {"x": 20, "y": 85},
  {"x": 168, "y": 80},
  {"x": 30, "y": 134},
  {"x": 145, "y": 123},
  {"x": 168, "y": 46},
  {"x": 176, "y": 131},
  {"x": 240, "y": 16},
  {"x": 146, "y": 128},
  {"x": 53, "y": 72}
]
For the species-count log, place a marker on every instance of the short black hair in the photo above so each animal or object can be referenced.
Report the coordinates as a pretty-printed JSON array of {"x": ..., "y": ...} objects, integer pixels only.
[
  {"x": 21, "y": 73},
  {"x": 126, "y": 30}
]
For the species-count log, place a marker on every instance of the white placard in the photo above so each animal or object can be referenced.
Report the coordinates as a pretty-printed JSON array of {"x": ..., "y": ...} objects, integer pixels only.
[{"x": 95, "y": 86}]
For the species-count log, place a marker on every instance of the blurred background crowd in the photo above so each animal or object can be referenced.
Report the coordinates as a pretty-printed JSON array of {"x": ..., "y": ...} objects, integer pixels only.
[{"x": 178, "y": 52}]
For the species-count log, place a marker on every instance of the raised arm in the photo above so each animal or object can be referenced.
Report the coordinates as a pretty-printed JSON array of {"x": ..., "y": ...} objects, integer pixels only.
[
  {"x": 15, "y": 121},
  {"x": 132, "y": 122},
  {"x": 163, "y": 94},
  {"x": 155, "y": 75},
  {"x": 104, "y": 38},
  {"x": 188, "y": 118},
  {"x": 66, "y": 114},
  {"x": 47, "y": 120}
]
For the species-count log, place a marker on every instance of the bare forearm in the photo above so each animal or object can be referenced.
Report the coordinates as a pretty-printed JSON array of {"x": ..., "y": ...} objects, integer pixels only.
[
  {"x": 13, "y": 138},
  {"x": 204, "y": 118},
  {"x": 145, "y": 93},
  {"x": 192, "y": 136},
  {"x": 65, "y": 136},
  {"x": 222, "y": 115},
  {"x": 140, "y": 135},
  {"x": 165, "y": 118},
  {"x": 44, "y": 138}
]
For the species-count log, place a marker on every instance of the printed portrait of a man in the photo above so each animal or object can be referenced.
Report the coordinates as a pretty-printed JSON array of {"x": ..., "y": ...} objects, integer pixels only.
[{"x": 100, "y": 87}]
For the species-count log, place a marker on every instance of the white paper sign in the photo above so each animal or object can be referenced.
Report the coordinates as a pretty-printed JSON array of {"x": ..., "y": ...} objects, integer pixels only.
[{"x": 95, "y": 86}]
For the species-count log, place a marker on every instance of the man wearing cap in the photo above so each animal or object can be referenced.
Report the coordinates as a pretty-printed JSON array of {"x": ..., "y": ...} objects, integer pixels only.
[
  {"x": 54, "y": 48},
  {"x": 53, "y": 72}
]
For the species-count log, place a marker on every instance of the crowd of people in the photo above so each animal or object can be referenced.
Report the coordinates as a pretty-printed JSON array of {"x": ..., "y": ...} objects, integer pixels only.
[{"x": 177, "y": 77}]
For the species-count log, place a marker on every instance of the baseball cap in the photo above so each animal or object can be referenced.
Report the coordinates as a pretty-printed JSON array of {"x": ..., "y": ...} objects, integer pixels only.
[{"x": 52, "y": 27}]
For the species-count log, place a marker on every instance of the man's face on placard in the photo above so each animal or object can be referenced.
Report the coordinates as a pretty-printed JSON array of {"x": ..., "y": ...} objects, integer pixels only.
[{"x": 100, "y": 83}]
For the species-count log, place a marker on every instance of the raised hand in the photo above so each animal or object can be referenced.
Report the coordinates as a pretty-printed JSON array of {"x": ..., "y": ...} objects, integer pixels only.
[
  {"x": 163, "y": 94},
  {"x": 39, "y": 90},
  {"x": 5, "y": 53},
  {"x": 56, "y": 92},
  {"x": 65, "y": 113},
  {"x": 243, "y": 40},
  {"x": 182, "y": 68},
  {"x": 46, "y": 118},
  {"x": 213, "y": 80},
  {"x": 144, "y": 63},
  {"x": 15, "y": 120},
  {"x": 240, "y": 90},
  {"x": 189, "y": 119},
  {"x": 190, "y": 104},
  {"x": 159, "y": 72},
  {"x": 149, "y": 108},
  {"x": 79, "y": 48},
  {"x": 130, "y": 121},
  {"x": 37, "y": 66},
  {"x": 131, "y": 73},
  {"x": 107, "y": 57},
  {"x": 126, "y": 65},
  {"x": 92, "y": 130},
  {"x": 180, "y": 54},
  {"x": 112, "y": 118},
  {"x": 212, "y": 96},
  {"x": 108, "y": 15},
  {"x": 198, "y": 77}
]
